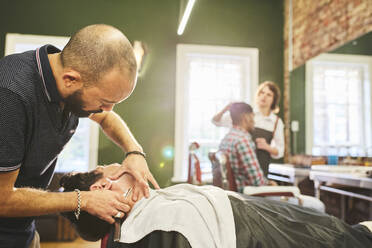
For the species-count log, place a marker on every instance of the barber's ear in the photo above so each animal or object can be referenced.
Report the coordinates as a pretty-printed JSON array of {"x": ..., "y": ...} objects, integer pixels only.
[{"x": 72, "y": 79}]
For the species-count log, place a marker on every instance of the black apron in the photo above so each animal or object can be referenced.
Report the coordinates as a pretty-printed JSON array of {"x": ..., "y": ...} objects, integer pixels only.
[{"x": 263, "y": 156}]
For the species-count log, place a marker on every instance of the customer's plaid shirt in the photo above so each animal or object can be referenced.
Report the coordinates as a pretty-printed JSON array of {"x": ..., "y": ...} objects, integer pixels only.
[{"x": 240, "y": 148}]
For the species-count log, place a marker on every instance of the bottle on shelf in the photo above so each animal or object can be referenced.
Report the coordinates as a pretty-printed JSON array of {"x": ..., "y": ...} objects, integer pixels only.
[{"x": 332, "y": 157}]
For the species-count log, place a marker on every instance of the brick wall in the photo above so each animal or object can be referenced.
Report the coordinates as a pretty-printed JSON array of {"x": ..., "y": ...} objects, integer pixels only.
[{"x": 319, "y": 26}]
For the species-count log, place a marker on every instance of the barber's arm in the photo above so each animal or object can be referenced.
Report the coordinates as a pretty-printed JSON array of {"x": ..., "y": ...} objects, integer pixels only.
[
  {"x": 278, "y": 140},
  {"x": 218, "y": 119},
  {"x": 276, "y": 148},
  {"x": 115, "y": 128},
  {"x": 263, "y": 145},
  {"x": 19, "y": 202}
]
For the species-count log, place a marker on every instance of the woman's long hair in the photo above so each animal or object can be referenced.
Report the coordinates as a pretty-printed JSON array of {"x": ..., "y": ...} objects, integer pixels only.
[{"x": 273, "y": 87}]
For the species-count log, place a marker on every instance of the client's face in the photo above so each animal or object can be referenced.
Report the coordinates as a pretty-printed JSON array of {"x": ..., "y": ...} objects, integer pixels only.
[
  {"x": 121, "y": 185},
  {"x": 249, "y": 122}
]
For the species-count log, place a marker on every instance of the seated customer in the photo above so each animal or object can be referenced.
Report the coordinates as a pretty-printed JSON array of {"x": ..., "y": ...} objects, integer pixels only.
[
  {"x": 256, "y": 222},
  {"x": 240, "y": 148}
]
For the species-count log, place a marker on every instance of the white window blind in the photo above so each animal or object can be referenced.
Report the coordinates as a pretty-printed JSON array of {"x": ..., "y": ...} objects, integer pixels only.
[
  {"x": 208, "y": 78},
  {"x": 340, "y": 113}
]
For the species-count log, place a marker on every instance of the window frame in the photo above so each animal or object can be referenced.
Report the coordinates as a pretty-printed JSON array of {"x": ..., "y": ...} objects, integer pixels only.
[
  {"x": 182, "y": 91},
  {"x": 11, "y": 41},
  {"x": 358, "y": 60}
]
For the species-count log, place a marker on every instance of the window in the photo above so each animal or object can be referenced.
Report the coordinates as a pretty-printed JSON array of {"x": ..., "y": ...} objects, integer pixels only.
[
  {"x": 80, "y": 153},
  {"x": 208, "y": 78},
  {"x": 338, "y": 105}
]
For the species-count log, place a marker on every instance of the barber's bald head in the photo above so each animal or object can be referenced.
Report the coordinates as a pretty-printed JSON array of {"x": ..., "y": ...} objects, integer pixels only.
[
  {"x": 98, "y": 70},
  {"x": 97, "y": 49}
]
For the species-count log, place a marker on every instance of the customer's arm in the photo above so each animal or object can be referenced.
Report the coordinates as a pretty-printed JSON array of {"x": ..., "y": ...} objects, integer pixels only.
[
  {"x": 19, "y": 202},
  {"x": 249, "y": 163}
]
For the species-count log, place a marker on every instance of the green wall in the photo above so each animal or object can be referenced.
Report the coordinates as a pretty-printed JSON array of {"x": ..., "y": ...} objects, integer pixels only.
[
  {"x": 359, "y": 46},
  {"x": 149, "y": 112},
  {"x": 297, "y": 105}
]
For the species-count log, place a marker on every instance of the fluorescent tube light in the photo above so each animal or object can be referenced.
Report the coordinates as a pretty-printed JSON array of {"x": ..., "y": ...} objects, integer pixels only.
[{"x": 185, "y": 17}]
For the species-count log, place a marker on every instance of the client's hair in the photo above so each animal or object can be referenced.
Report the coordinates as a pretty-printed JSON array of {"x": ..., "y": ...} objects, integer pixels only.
[
  {"x": 237, "y": 110},
  {"x": 89, "y": 227}
]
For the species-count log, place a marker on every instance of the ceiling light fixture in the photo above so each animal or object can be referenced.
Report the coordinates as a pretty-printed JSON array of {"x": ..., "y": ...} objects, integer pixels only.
[{"x": 185, "y": 17}]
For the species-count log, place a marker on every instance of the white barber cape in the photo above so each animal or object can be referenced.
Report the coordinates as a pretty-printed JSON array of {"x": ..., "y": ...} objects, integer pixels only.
[{"x": 202, "y": 214}]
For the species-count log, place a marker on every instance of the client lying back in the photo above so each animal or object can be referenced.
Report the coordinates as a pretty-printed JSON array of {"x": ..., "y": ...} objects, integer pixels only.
[{"x": 205, "y": 216}]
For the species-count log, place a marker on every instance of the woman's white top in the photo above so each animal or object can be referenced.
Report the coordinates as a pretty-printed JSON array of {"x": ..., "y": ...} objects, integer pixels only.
[{"x": 264, "y": 122}]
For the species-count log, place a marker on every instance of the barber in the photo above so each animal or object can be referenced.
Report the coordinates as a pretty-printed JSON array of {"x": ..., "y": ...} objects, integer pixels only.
[
  {"x": 42, "y": 95},
  {"x": 269, "y": 128}
]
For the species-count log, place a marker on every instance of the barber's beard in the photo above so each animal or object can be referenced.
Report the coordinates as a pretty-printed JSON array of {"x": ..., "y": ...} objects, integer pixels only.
[{"x": 74, "y": 104}]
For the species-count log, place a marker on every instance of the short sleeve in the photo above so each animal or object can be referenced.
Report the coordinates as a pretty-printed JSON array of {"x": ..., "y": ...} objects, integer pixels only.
[{"x": 12, "y": 130}]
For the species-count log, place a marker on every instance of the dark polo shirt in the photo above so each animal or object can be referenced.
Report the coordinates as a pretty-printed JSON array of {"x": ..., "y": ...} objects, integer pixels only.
[{"x": 33, "y": 129}]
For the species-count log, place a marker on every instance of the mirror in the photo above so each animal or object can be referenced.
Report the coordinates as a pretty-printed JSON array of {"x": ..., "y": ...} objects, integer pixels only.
[{"x": 330, "y": 102}]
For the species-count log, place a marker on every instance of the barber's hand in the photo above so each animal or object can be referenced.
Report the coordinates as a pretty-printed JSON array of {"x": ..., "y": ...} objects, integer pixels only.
[
  {"x": 137, "y": 166},
  {"x": 105, "y": 204},
  {"x": 227, "y": 107},
  {"x": 262, "y": 144}
]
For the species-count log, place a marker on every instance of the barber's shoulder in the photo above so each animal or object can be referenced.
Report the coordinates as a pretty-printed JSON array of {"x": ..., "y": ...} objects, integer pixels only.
[
  {"x": 18, "y": 75},
  {"x": 11, "y": 98},
  {"x": 19, "y": 63}
]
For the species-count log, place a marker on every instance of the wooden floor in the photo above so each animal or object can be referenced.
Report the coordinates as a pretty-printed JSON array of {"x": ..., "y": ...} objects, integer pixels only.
[{"x": 78, "y": 243}]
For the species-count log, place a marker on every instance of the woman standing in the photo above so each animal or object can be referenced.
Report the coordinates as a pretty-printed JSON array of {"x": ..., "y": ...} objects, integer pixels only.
[{"x": 269, "y": 128}]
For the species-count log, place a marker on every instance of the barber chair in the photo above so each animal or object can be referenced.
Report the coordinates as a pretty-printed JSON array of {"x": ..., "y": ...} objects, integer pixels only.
[
  {"x": 221, "y": 171},
  {"x": 223, "y": 177},
  {"x": 104, "y": 241},
  {"x": 194, "y": 170}
]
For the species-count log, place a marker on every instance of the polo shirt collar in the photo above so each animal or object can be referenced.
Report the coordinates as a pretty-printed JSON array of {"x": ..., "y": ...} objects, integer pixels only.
[{"x": 46, "y": 73}]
